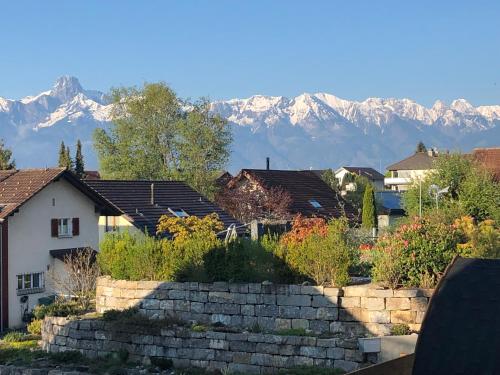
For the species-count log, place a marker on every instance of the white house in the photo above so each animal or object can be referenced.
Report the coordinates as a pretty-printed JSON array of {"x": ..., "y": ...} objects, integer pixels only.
[
  {"x": 376, "y": 178},
  {"x": 44, "y": 214},
  {"x": 406, "y": 171}
]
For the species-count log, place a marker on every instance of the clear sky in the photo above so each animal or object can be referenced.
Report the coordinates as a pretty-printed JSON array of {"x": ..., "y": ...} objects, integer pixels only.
[{"x": 424, "y": 50}]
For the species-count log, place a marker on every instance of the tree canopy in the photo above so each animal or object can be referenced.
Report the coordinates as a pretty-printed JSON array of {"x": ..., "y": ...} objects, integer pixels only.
[
  {"x": 369, "y": 218},
  {"x": 6, "y": 161},
  {"x": 64, "y": 157},
  {"x": 79, "y": 164},
  {"x": 156, "y": 136},
  {"x": 421, "y": 147},
  {"x": 472, "y": 190}
]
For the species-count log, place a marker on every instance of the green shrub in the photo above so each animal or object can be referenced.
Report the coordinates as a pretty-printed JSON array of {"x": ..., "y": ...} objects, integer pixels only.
[
  {"x": 415, "y": 253},
  {"x": 400, "y": 330},
  {"x": 323, "y": 257},
  {"x": 58, "y": 308},
  {"x": 13, "y": 336},
  {"x": 35, "y": 327}
]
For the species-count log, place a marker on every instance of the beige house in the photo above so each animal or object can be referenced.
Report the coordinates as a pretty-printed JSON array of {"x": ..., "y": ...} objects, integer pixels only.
[
  {"x": 44, "y": 215},
  {"x": 413, "y": 168}
]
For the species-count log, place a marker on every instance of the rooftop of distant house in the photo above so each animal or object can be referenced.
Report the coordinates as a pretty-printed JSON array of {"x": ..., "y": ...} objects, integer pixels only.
[
  {"x": 310, "y": 195},
  {"x": 489, "y": 158},
  {"x": 143, "y": 202},
  {"x": 367, "y": 172},
  {"x": 417, "y": 161}
]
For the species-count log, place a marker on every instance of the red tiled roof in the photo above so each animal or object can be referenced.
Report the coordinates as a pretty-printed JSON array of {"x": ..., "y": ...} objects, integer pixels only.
[
  {"x": 19, "y": 186},
  {"x": 489, "y": 158},
  {"x": 302, "y": 186}
]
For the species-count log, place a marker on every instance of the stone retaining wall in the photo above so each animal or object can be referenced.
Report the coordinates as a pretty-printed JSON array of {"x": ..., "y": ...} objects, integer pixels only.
[
  {"x": 236, "y": 352},
  {"x": 353, "y": 311}
]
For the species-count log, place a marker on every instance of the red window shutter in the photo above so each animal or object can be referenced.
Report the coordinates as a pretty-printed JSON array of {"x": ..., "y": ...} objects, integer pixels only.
[
  {"x": 76, "y": 226},
  {"x": 54, "y": 227}
]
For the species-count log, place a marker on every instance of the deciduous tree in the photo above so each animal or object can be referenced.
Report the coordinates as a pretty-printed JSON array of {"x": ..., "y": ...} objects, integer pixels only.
[{"x": 5, "y": 157}]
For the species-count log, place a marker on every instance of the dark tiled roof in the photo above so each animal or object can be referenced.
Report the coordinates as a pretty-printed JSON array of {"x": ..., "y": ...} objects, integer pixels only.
[
  {"x": 133, "y": 198},
  {"x": 302, "y": 186},
  {"x": 367, "y": 172},
  {"x": 418, "y": 161},
  {"x": 18, "y": 186},
  {"x": 460, "y": 333},
  {"x": 62, "y": 254},
  {"x": 489, "y": 158}
]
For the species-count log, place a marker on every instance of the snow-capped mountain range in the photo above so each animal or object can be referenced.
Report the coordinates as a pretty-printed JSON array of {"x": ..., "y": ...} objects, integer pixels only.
[{"x": 309, "y": 131}]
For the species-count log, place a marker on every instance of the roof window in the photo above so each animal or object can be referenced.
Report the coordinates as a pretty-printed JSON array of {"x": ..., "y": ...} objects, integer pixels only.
[
  {"x": 178, "y": 212},
  {"x": 315, "y": 203}
]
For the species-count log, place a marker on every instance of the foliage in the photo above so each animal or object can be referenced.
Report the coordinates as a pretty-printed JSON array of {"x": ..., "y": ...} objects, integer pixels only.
[
  {"x": 415, "y": 253},
  {"x": 293, "y": 332},
  {"x": 400, "y": 330},
  {"x": 303, "y": 227},
  {"x": 421, "y": 147},
  {"x": 59, "y": 308},
  {"x": 369, "y": 218},
  {"x": 153, "y": 137},
  {"x": 5, "y": 157},
  {"x": 78, "y": 278},
  {"x": 323, "y": 256},
  {"x": 64, "y": 157},
  {"x": 79, "y": 164},
  {"x": 329, "y": 177},
  {"x": 472, "y": 190},
  {"x": 13, "y": 336},
  {"x": 481, "y": 240},
  {"x": 131, "y": 257},
  {"x": 182, "y": 229},
  {"x": 35, "y": 327},
  {"x": 113, "y": 315},
  {"x": 272, "y": 204},
  {"x": 355, "y": 197}
]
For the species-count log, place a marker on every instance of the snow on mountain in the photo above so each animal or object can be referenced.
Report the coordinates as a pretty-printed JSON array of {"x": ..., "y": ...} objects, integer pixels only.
[{"x": 311, "y": 130}]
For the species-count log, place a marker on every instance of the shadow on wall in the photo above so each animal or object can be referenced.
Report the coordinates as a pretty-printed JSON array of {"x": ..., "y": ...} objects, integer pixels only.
[{"x": 243, "y": 327}]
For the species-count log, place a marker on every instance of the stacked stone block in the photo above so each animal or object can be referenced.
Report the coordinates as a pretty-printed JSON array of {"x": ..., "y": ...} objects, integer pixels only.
[{"x": 353, "y": 311}]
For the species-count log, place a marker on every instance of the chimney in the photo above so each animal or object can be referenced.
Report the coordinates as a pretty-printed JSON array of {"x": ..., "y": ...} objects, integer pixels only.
[
  {"x": 267, "y": 163},
  {"x": 152, "y": 194}
]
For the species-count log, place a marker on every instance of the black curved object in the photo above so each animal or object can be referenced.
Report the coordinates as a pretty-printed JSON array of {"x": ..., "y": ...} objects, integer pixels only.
[{"x": 460, "y": 333}]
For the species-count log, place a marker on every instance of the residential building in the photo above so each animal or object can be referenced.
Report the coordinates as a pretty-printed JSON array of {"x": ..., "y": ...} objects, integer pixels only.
[
  {"x": 141, "y": 204},
  {"x": 310, "y": 196},
  {"x": 406, "y": 171},
  {"x": 389, "y": 207},
  {"x": 44, "y": 214},
  {"x": 376, "y": 178}
]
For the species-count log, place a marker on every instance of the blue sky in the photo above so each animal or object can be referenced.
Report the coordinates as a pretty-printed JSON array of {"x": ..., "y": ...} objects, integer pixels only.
[{"x": 424, "y": 50}]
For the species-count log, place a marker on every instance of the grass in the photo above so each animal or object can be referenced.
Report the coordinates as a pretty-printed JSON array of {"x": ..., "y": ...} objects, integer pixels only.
[{"x": 293, "y": 332}]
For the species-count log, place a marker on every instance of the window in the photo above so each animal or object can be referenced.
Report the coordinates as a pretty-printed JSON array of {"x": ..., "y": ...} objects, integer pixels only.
[
  {"x": 178, "y": 212},
  {"x": 315, "y": 203},
  {"x": 64, "y": 227},
  {"x": 29, "y": 283}
]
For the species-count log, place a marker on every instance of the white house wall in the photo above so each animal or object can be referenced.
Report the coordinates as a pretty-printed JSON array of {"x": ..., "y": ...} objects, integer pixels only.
[
  {"x": 122, "y": 225},
  {"x": 30, "y": 237}
]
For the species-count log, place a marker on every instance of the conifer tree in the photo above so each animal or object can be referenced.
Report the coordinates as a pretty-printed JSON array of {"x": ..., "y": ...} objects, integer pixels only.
[
  {"x": 421, "y": 147},
  {"x": 79, "y": 164},
  {"x": 69, "y": 161},
  {"x": 369, "y": 218},
  {"x": 63, "y": 161}
]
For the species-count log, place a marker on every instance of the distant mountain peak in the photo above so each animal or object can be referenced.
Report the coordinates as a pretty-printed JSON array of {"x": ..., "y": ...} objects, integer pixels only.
[{"x": 66, "y": 87}]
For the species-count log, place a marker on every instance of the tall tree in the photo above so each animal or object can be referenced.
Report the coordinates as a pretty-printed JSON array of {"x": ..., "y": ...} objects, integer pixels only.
[
  {"x": 329, "y": 177},
  {"x": 79, "y": 164},
  {"x": 369, "y": 218},
  {"x": 421, "y": 147},
  {"x": 203, "y": 147},
  {"x": 153, "y": 137},
  {"x": 5, "y": 157},
  {"x": 64, "y": 157},
  {"x": 69, "y": 161}
]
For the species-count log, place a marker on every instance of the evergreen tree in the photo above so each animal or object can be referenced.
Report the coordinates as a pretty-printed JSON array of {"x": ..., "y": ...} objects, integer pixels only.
[
  {"x": 369, "y": 218},
  {"x": 5, "y": 157},
  {"x": 69, "y": 161},
  {"x": 79, "y": 164},
  {"x": 421, "y": 147},
  {"x": 63, "y": 161}
]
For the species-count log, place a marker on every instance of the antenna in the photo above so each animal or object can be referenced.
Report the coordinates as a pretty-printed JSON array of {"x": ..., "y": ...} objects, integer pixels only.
[
  {"x": 435, "y": 192},
  {"x": 152, "y": 194}
]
